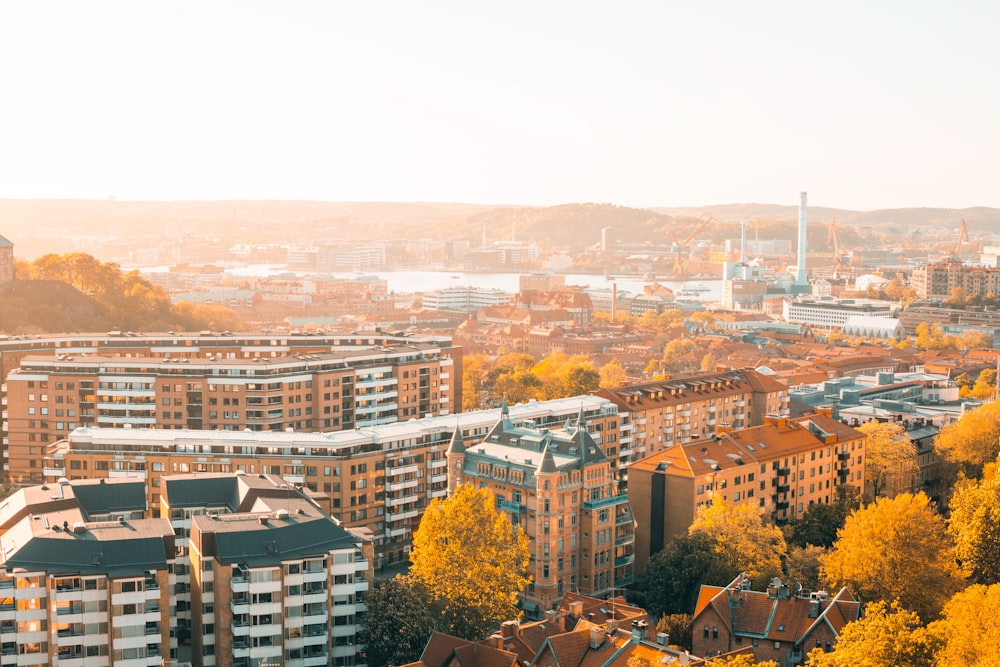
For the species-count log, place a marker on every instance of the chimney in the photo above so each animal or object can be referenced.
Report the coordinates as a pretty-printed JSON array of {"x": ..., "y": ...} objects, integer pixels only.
[
  {"x": 662, "y": 638},
  {"x": 639, "y": 630},
  {"x": 800, "y": 277},
  {"x": 510, "y": 629},
  {"x": 611, "y": 625},
  {"x": 576, "y": 608},
  {"x": 596, "y": 637},
  {"x": 550, "y": 615}
]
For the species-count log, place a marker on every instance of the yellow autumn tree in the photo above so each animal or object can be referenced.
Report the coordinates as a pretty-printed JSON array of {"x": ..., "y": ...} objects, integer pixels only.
[
  {"x": 613, "y": 374},
  {"x": 972, "y": 440},
  {"x": 895, "y": 549},
  {"x": 742, "y": 536},
  {"x": 968, "y": 630},
  {"x": 471, "y": 560},
  {"x": 890, "y": 457},
  {"x": 887, "y": 634},
  {"x": 974, "y": 522}
]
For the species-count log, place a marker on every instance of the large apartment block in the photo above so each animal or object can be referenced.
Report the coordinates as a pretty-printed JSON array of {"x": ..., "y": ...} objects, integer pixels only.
[
  {"x": 936, "y": 281},
  {"x": 269, "y": 579},
  {"x": 48, "y": 397},
  {"x": 656, "y": 415},
  {"x": 241, "y": 570},
  {"x": 783, "y": 467},
  {"x": 85, "y": 580},
  {"x": 379, "y": 477},
  {"x": 561, "y": 488}
]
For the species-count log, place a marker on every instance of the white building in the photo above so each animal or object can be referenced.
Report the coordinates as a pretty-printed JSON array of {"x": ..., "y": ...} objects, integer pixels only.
[
  {"x": 829, "y": 312},
  {"x": 465, "y": 298}
]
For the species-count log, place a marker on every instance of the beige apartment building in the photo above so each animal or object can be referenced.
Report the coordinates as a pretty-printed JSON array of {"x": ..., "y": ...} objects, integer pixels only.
[
  {"x": 936, "y": 281},
  {"x": 48, "y": 397},
  {"x": 409, "y": 384},
  {"x": 783, "y": 467},
  {"x": 379, "y": 477},
  {"x": 657, "y": 415}
]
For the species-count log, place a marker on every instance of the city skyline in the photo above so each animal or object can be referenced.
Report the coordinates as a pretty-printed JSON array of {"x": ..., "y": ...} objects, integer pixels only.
[{"x": 642, "y": 105}]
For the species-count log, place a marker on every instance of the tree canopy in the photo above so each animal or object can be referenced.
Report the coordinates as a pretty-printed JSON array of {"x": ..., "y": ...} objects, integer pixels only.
[
  {"x": 895, "y": 549},
  {"x": 676, "y": 572},
  {"x": 400, "y": 619},
  {"x": 821, "y": 521},
  {"x": 890, "y": 457},
  {"x": 972, "y": 440},
  {"x": 975, "y": 525},
  {"x": 472, "y": 561},
  {"x": 968, "y": 632},
  {"x": 740, "y": 533},
  {"x": 887, "y": 634}
]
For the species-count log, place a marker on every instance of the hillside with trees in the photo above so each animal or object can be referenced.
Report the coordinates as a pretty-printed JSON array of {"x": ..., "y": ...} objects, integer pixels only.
[{"x": 76, "y": 292}]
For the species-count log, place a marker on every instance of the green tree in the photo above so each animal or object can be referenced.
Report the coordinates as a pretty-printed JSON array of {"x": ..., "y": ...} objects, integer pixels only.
[
  {"x": 886, "y": 635},
  {"x": 740, "y": 533},
  {"x": 975, "y": 526},
  {"x": 820, "y": 522},
  {"x": 678, "y": 629},
  {"x": 400, "y": 619},
  {"x": 676, "y": 572},
  {"x": 472, "y": 561},
  {"x": 890, "y": 456},
  {"x": 972, "y": 440},
  {"x": 968, "y": 633},
  {"x": 895, "y": 549},
  {"x": 802, "y": 566}
]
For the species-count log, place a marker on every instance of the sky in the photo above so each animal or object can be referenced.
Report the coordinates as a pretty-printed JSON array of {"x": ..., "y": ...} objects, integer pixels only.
[{"x": 864, "y": 104}]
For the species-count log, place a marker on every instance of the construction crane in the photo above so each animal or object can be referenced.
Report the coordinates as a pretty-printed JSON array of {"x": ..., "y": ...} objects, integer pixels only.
[
  {"x": 833, "y": 237},
  {"x": 963, "y": 235},
  {"x": 682, "y": 245}
]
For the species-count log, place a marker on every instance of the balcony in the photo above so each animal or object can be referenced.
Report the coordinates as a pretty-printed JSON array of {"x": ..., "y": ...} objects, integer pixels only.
[
  {"x": 782, "y": 505},
  {"x": 606, "y": 502},
  {"x": 622, "y": 561},
  {"x": 54, "y": 472},
  {"x": 784, "y": 472},
  {"x": 509, "y": 506},
  {"x": 782, "y": 488},
  {"x": 843, "y": 456},
  {"x": 399, "y": 486}
]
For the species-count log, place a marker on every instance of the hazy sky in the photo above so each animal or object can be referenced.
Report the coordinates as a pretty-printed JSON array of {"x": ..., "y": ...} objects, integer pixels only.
[{"x": 868, "y": 104}]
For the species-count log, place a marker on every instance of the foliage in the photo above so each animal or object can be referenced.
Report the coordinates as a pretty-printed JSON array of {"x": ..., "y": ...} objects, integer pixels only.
[
  {"x": 975, "y": 526},
  {"x": 400, "y": 619},
  {"x": 474, "y": 387},
  {"x": 739, "y": 532},
  {"x": 975, "y": 340},
  {"x": 968, "y": 631},
  {"x": 889, "y": 454},
  {"x": 885, "y": 635},
  {"x": 820, "y": 522},
  {"x": 983, "y": 389},
  {"x": 895, "y": 549},
  {"x": 676, "y": 573},
  {"x": 472, "y": 560},
  {"x": 673, "y": 359},
  {"x": 707, "y": 362},
  {"x": 972, "y": 440},
  {"x": 129, "y": 301},
  {"x": 613, "y": 374},
  {"x": 932, "y": 337},
  {"x": 741, "y": 660},
  {"x": 510, "y": 377},
  {"x": 562, "y": 376},
  {"x": 802, "y": 566},
  {"x": 678, "y": 629}
]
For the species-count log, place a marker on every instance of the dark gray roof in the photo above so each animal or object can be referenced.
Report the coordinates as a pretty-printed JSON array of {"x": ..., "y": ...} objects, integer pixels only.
[
  {"x": 548, "y": 463},
  {"x": 5, "y": 243},
  {"x": 102, "y": 497},
  {"x": 114, "y": 549},
  {"x": 457, "y": 444},
  {"x": 245, "y": 540},
  {"x": 201, "y": 491}
]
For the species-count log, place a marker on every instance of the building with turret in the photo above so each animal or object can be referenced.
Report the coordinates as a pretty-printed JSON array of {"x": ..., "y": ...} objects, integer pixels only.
[{"x": 560, "y": 487}]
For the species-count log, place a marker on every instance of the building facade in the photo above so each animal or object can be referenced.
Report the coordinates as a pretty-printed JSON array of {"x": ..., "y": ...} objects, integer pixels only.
[
  {"x": 783, "y": 467},
  {"x": 380, "y": 478},
  {"x": 48, "y": 397},
  {"x": 560, "y": 487},
  {"x": 657, "y": 415},
  {"x": 829, "y": 312},
  {"x": 936, "y": 281}
]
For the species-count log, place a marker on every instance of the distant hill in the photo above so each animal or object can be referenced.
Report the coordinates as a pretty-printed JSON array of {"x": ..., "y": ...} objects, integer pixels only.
[
  {"x": 49, "y": 306},
  {"x": 979, "y": 218}
]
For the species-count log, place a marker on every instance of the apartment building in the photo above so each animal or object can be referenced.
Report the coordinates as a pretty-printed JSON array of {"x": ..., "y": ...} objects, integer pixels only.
[
  {"x": 560, "y": 487},
  {"x": 361, "y": 351},
  {"x": 936, "y": 281},
  {"x": 656, "y": 415},
  {"x": 85, "y": 580},
  {"x": 378, "y": 477},
  {"x": 783, "y": 467},
  {"x": 830, "y": 312},
  {"x": 48, "y": 397},
  {"x": 270, "y": 577}
]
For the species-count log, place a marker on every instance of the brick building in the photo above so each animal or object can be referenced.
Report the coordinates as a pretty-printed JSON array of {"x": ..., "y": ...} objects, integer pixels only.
[{"x": 782, "y": 467}]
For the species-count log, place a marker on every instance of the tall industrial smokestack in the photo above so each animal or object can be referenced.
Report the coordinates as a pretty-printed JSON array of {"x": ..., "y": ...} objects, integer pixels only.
[{"x": 800, "y": 278}]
